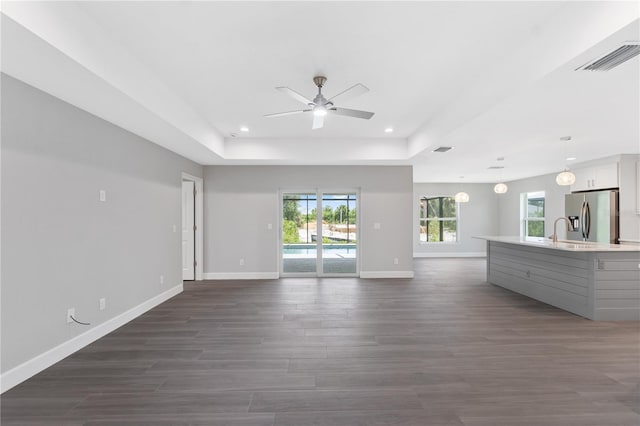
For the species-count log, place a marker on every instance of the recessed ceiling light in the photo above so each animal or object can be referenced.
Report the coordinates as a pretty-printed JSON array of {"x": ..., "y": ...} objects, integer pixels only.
[
  {"x": 388, "y": 130},
  {"x": 571, "y": 158},
  {"x": 244, "y": 129}
]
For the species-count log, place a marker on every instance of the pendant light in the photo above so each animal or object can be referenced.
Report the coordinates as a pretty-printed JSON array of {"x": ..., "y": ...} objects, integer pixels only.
[
  {"x": 565, "y": 177},
  {"x": 501, "y": 187},
  {"x": 461, "y": 197}
]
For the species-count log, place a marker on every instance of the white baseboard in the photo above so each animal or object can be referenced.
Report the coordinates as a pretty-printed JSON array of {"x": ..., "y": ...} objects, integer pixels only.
[
  {"x": 35, "y": 365},
  {"x": 386, "y": 274},
  {"x": 451, "y": 254},
  {"x": 241, "y": 275}
]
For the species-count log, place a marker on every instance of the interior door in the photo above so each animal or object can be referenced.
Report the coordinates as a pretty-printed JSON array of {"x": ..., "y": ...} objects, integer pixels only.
[{"x": 188, "y": 230}]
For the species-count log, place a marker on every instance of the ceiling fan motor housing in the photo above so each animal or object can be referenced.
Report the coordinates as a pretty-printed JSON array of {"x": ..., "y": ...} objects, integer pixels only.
[{"x": 319, "y": 80}]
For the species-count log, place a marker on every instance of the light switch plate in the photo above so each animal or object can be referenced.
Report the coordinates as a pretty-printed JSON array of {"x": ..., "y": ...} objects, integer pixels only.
[
  {"x": 376, "y": 225},
  {"x": 103, "y": 195}
]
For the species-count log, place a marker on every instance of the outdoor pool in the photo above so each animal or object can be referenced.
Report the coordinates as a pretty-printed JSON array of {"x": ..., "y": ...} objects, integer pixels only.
[{"x": 337, "y": 250}]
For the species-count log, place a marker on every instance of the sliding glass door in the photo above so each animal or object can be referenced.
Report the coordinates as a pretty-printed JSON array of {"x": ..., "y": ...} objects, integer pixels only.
[
  {"x": 299, "y": 231},
  {"x": 319, "y": 233},
  {"x": 339, "y": 233}
]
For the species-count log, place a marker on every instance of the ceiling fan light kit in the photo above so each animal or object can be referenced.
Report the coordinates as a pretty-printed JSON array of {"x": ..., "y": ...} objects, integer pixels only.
[{"x": 321, "y": 106}]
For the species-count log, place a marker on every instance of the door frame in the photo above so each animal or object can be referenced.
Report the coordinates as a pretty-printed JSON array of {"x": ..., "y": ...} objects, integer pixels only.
[
  {"x": 319, "y": 192},
  {"x": 199, "y": 221}
]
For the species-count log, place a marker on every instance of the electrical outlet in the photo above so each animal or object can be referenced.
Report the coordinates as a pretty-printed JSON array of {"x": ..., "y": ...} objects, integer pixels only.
[
  {"x": 376, "y": 226},
  {"x": 161, "y": 279},
  {"x": 269, "y": 226},
  {"x": 175, "y": 228},
  {"x": 71, "y": 312},
  {"x": 241, "y": 262},
  {"x": 103, "y": 304},
  {"x": 395, "y": 260},
  {"x": 103, "y": 195}
]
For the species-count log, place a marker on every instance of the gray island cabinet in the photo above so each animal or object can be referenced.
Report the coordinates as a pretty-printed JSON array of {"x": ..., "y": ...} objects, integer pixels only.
[{"x": 597, "y": 281}]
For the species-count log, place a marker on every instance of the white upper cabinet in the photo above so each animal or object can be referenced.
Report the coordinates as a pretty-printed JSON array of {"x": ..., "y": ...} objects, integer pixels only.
[{"x": 596, "y": 177}]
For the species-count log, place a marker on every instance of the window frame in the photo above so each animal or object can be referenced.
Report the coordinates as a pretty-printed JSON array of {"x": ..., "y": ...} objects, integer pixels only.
[
  {"x": 525, "y": 219},
  {"x": 422, "y": 221}
]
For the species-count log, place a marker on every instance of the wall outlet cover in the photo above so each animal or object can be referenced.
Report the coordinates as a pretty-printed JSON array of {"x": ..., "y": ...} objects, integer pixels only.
[{"x": 103, "y": 304}]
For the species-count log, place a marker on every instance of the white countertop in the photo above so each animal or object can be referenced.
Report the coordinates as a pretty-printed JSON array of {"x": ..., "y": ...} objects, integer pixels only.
[{"x": 564, "y": 244}]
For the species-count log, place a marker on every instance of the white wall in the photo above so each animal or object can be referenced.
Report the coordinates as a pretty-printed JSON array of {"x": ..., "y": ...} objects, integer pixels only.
[
  {"x": 240, "y": 201},
  {"x": 61, "y": 246},
  {"x": 629, "y": 183},
  {"x": 476, "y": 218},
  {"x": 509, "y": 203}
]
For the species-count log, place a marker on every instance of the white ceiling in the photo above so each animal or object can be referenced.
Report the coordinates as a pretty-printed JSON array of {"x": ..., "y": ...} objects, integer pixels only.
[{"x": 492, "y": 79}]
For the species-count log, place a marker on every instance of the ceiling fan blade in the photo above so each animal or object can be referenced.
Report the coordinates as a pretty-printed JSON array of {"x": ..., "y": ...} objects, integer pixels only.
[
  {"x": 318, "y": 122},
  {"x": 352, "y": 113},
  {"x": 351, "y": 92},
  {"x": 280, "y": 114},
  {"x": 295, "y": 95}
]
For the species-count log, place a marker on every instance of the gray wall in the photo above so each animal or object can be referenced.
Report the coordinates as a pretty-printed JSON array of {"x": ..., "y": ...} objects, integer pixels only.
[
  {"x": 476, "y": 218},
  {"x": 61, "y": 247},
  {"x": 509, "y": 203},
  {"x": 240, "y": 201}
]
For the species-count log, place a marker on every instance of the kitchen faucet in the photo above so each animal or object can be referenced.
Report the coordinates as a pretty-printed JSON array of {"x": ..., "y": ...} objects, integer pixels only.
[{"x": 555, "y": 231}]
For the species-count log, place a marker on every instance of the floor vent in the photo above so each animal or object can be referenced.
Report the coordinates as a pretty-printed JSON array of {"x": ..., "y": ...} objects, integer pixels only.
[
  {"x": 628, "y": 50},
  {"x": 443, "y": 149}
]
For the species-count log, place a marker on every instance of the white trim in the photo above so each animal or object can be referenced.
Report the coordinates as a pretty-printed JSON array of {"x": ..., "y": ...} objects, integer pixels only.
[
  {"x": 35, "y": 365},
  {"x": 386, "y": 274},
  {"x": 452, "y": 254},
  {"x": 199, "y": 208},
  {"x": 241, "y": 275}
]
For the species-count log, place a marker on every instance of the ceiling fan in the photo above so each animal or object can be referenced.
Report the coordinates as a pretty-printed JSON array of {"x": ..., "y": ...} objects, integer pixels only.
[{"x": 320, "y": 106}]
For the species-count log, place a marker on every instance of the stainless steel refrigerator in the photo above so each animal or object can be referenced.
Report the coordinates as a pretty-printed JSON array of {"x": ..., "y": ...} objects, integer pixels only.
[{"x": 594, "y": 215}]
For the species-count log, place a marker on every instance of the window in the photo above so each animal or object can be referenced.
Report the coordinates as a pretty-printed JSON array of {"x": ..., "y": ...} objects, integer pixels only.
[
  {"x": 532, "y": 213},
  {"x": 438, "y": 220}
]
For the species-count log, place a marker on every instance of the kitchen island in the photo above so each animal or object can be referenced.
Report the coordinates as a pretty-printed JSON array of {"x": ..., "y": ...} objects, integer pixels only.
[{"x": 597, "y": 281}]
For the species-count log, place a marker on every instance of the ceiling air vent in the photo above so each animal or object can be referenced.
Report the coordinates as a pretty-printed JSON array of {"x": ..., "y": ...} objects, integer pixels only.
[
  {"x": 628, "y": 50},
  {"x": 443, "y": 149},
  {"x": 495, "y": 167}
]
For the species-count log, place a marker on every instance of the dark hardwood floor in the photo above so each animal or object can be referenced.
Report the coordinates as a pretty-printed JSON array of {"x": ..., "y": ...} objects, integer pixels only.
[{"x": 445, "y": 348}]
